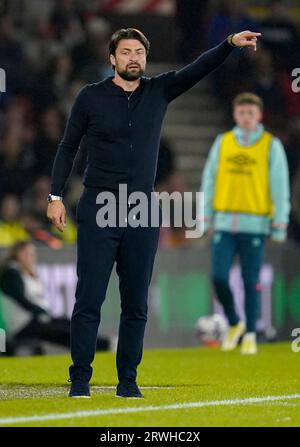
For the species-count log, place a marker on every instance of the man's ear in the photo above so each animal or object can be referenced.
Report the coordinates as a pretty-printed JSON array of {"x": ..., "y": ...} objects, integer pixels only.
[{"x": 112, "y": 59}]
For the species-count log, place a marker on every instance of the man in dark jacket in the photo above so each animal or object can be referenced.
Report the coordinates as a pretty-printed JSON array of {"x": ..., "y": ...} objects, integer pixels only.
[{"x": 121, "y": 118}]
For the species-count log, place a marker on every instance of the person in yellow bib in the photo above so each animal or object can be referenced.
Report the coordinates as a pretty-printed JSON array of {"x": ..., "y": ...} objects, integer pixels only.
[{"x": 246, "y": 199}]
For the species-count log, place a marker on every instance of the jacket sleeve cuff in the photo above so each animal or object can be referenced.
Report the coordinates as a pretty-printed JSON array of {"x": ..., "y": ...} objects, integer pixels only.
[{"x": 278, "y": 234}]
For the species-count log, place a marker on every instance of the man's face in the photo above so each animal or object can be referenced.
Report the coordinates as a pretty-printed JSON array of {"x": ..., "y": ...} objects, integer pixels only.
[
  {"x": 247, "y": 116},
  {"x": 27, "y": 256},
  {"x": 130, "y": 59}
]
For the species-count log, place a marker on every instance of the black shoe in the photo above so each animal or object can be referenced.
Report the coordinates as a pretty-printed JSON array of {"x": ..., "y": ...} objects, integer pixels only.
[
  {"x": 80, "y": 389},
  {"x": 128, "y": 389}
]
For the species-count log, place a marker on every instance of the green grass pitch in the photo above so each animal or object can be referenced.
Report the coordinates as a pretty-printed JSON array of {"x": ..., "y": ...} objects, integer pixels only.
[{"x": 182, "y": 387}]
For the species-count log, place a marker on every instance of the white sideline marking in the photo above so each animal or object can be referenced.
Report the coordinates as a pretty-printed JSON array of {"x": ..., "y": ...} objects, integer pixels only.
[
  {"x": 112, "y": 387},
  {"x": 125, "y": 410}
]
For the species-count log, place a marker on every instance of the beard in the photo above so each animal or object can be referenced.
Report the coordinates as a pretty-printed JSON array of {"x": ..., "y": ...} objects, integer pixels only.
[{"x": 129, "y": 75}]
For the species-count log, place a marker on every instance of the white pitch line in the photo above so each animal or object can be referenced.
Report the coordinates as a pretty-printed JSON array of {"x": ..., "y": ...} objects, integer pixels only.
[
  {"x": 112, "y": 387},
  {"x": 126, "y": 410}
]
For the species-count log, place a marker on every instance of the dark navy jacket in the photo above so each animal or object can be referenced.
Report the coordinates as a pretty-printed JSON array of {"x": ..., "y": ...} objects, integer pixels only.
[{"x": 122, "y": 135}]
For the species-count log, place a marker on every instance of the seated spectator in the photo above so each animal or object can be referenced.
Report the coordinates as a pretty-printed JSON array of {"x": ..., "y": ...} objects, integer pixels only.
[
  {"x": 11, "y": 228},
  {"x": 26, "y": 312}
]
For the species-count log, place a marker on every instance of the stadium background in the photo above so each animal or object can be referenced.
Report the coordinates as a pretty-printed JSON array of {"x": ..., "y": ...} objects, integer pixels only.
[{"x": 49, "y": 49}]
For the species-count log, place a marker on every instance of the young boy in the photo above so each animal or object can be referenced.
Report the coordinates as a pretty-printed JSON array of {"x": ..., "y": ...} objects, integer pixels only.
[{"x": 246, "y": 196}]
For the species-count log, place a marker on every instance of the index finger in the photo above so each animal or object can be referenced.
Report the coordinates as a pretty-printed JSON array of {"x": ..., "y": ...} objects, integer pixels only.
[
  {"x": 252, "y": 34},
  {"x": 60, "y": 227}
]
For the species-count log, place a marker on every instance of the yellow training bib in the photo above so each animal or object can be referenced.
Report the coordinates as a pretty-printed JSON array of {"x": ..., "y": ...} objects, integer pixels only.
[{"x": 242, "y": 180}]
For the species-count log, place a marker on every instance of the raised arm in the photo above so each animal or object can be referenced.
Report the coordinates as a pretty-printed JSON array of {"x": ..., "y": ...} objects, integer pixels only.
[{"x": 177, "y": 82}]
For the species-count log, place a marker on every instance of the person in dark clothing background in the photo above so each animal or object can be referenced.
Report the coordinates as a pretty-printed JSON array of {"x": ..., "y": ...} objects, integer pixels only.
[
  {"x": 121, "y": 118},
  {"x": 26, "y": 313}
]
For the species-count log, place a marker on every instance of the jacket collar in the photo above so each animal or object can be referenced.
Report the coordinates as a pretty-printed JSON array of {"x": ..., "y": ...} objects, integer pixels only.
[
  {"x": 108, "y": 82},
  {"x": 246, "y": 138}
]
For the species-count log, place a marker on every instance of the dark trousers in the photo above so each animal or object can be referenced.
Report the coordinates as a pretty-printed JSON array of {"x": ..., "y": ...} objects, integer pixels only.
[
  {"x": 250, "y": 248},
  {"x": 133, "y": 250}
]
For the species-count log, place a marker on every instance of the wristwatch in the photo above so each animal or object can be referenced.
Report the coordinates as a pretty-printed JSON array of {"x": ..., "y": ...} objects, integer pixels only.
[
  {"x": 51, "y": 198},
  {"x": 229, "y": 40}
]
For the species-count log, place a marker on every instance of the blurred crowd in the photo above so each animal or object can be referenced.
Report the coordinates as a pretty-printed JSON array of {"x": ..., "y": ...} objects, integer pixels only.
[
  {"x": 47, "y": 57},
  {"x": 50, "y": 53}
]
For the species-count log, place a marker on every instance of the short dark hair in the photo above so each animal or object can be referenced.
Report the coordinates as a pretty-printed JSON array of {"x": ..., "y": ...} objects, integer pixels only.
[
  {"x": 248, "y": 98},
  {"x": 127, "y": 33}
]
